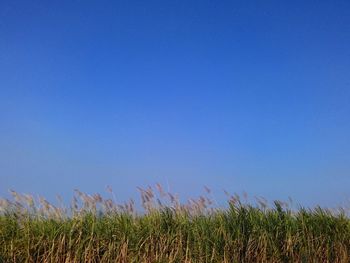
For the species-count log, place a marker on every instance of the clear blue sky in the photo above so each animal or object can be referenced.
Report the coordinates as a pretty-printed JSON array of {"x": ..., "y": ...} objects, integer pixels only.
[{"x": 239, "y": 95}]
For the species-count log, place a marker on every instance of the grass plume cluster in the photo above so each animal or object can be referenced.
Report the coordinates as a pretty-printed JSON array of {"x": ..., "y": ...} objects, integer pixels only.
[{"x": 94, "y": 229}]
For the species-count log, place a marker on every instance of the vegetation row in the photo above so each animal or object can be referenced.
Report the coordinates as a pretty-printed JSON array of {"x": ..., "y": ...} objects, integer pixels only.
[{"x": 95, "y": 229}]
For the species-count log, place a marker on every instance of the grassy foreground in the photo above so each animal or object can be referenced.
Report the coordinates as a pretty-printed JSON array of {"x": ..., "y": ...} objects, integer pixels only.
[{"x": 94, "y": 229}]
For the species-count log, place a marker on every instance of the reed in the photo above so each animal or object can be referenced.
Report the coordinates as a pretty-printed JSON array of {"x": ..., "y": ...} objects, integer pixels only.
[{"x": 94, "y": 229}]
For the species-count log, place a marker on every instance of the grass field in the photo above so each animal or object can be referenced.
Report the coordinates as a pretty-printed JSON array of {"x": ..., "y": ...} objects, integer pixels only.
[{"x": 94, "y": 229}]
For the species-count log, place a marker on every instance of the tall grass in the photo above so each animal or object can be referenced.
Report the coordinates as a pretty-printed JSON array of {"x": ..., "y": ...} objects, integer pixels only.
[{"x": 94, "y": 229}]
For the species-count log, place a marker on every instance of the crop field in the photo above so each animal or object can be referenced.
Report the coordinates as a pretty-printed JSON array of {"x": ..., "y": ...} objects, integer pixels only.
[{"x": 163, "y": 229}]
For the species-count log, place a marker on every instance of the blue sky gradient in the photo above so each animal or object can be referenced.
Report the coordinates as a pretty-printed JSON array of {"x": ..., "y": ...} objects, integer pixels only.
[{"x": 236, "y": 95}]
